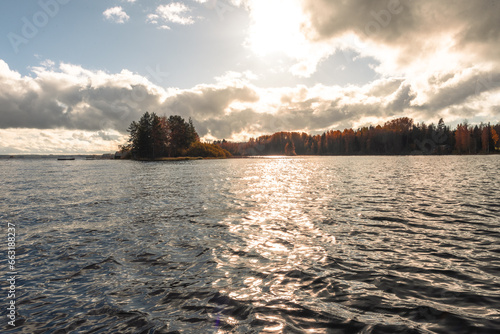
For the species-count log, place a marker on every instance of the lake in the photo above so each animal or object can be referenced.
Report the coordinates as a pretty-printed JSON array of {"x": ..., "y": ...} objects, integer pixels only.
[{"x": 407, "y": 244}]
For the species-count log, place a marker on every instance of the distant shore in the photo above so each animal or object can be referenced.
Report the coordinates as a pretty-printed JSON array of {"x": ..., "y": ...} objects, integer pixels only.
[
  {"x": 67, "y": 157},
  {"x": 111, "y": 157}
]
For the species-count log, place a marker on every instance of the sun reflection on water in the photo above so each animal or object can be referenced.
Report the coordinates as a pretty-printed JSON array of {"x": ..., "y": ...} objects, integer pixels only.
[
  {"x": 277, "y": 240},
  {"x": 300, "y": 245}
]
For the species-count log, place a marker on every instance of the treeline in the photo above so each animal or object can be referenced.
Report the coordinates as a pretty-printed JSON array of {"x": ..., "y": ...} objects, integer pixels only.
[
  {"x": 396, "y": 137},
  {"x": 154, "y": 137}
]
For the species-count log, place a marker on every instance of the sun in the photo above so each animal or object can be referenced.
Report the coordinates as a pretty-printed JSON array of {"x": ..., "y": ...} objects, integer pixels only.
[
  {"x": 278, "y": 29},
  {"x": 275, "y": 28}
]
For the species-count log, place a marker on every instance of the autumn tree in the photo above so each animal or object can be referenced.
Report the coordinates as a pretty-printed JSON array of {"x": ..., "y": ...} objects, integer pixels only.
[
  {"x": 462, "y": 138},
  {"x": 485, "y": 138},
  {"x": 495, "y": 138},
  {"x": 398, "y": 136},
  {"x": 290, "y": 148}
]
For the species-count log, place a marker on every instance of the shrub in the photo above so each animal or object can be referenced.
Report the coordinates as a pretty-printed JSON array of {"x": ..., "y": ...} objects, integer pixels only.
[{"x": 199, "y": 149}]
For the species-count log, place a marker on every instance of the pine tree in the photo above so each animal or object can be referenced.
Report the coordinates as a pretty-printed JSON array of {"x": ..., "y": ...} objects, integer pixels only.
[
  {"x": 159, "y": 136},
  {"x": 181, "y": 135},
  {"x": 140, "y": 137}
]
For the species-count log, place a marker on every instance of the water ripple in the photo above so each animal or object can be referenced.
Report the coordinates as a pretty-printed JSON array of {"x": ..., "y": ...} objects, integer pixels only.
[{"x": 282, "y": 245}]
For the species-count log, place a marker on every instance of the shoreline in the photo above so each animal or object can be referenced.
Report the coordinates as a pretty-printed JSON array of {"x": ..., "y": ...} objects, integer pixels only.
[{"x": 94, "y": 157}]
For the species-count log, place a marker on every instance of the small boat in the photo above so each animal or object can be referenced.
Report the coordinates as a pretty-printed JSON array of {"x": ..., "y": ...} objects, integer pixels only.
[{"x": 65, "y": 158}]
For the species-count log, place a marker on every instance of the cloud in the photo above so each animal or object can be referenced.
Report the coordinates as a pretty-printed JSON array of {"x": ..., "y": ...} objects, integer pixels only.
[
  {"x": 58, "y": 141},
  {"x": 406, "y": 35},
  {"x": 462, "y": 88},
  {"x": 97, "y": 107},
  {"x": 73, "y": 98},
  {"x": 175, "y": 12},
  {"x": 116, "y": 14}
]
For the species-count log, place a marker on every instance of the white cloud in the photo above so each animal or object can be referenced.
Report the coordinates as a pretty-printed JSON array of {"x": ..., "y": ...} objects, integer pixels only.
[
  {"x": 72, "y": 97},
  {"x": 406, "y": 37},
  {"x": 97, "y": 107},
  {"x": 175, "y": 12},
  {"x": 59, "y": 141},
  {"x": 48, "y": 63},
  {"x": 410, "y": 37},
  {"x": 116, "y": 14}
]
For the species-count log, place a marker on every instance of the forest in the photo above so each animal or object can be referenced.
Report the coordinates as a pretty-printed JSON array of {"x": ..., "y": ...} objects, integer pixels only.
[
  {"x": 154, "y": 137},
  {"x": 400, "y": 136}
]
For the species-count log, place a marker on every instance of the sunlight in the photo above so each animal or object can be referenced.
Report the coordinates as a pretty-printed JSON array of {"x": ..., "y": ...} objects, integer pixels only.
[{"x": 276, "y": 27}]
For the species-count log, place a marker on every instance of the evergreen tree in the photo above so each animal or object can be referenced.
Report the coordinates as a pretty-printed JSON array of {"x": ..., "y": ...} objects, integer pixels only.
[
  {"x": 181, "y": 135},
  {"x": 140, "y": 137},
  {"x": 441, "y": 126},
  {"x": 159, "y": 136},
  {"x": 192, "y": 134}
]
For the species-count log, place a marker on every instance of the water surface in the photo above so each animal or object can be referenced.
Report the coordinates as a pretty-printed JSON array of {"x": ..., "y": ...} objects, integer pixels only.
[{"x": 271, "y": 245}]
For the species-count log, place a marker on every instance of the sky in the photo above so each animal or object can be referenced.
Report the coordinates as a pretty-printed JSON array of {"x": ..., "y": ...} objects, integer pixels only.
[{"x": 75, "y": 73}]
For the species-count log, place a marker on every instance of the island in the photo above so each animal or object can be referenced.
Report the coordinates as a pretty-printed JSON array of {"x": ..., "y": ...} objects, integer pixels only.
[{"x": 156, "y": 137}]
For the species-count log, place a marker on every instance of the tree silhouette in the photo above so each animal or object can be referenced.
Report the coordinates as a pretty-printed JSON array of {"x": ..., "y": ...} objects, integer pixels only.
[
  {"x": 181, "y": 135},
  {"x": 141, "y": 134},
  {"x": 153, "y": 136},
  {"x": 398, "y": 136},
  {"x": 290, "y": 148}
]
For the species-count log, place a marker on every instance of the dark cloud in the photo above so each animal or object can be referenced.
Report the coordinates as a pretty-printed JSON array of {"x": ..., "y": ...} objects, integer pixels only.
[
  {"x": 457, "y": 92},
  {"x": 207, "y": 101},
  {"x": 409, "y": 26},
  {"x": 52, "y": 102},
  {"x": 403, "y": 98},
  {"x": 385, "y": 87},
  {"x": 234, "y": 123},
  {"x": 98, "y": 102},
  {"x": 58, "y": 100}
]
